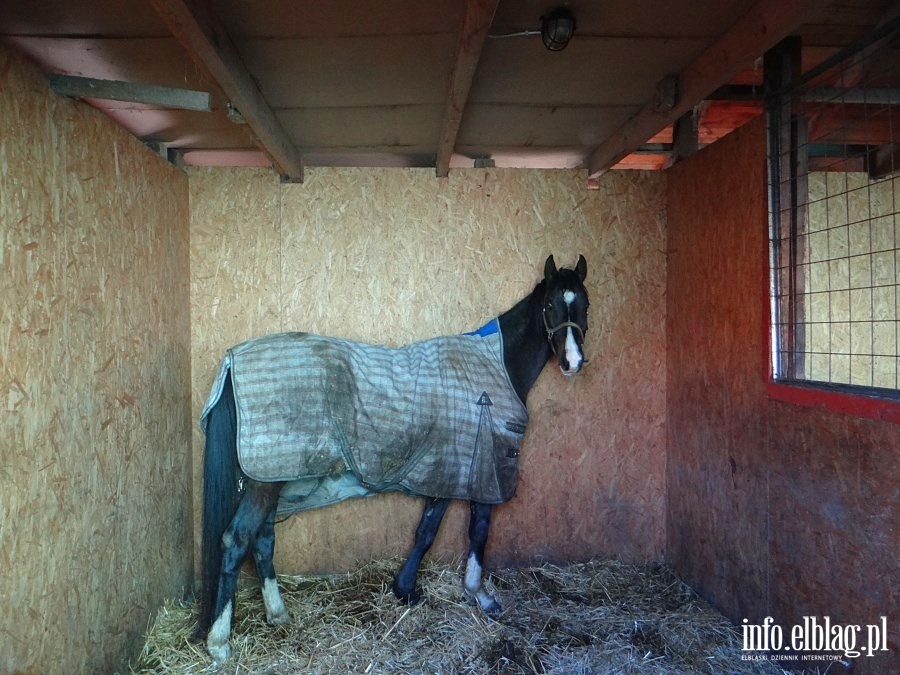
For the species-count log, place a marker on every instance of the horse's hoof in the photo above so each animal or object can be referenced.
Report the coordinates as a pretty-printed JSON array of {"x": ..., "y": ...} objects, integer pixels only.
[
  {"x": 488, "y": 603},
  {"x": 492, "y": 608},
  {"x": 219, "y": 653},
  {"x": 406, "y": 596},
  {"x": 278, "y": 619},
  {"x": 411, "y": 598}
]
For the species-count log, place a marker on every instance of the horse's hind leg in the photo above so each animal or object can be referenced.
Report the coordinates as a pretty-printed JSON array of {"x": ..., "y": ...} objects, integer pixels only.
[
  {"x": 258, "y": 501},
  {"x": 405, "y": 581},
  {"x": 479, "y": 524},
  {"x": 263, "y": 552}
]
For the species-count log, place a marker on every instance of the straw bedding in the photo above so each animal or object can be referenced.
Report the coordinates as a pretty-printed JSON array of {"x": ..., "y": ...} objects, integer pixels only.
[{"x": 596, "y": 617}]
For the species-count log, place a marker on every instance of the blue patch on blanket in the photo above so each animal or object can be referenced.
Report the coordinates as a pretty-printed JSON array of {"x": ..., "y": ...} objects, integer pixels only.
[{"x": 492, "y": 327}]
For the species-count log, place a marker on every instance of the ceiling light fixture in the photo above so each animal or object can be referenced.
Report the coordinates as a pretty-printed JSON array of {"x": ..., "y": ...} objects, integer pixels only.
[{"x": 557, "y": 29}]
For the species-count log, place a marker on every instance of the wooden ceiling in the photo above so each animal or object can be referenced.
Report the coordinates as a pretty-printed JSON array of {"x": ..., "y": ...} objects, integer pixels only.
[{"x": 438, "y": 83}]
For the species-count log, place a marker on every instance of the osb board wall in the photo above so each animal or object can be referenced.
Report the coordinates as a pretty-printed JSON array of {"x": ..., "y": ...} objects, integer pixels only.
[
  {"x": 773, "y": 509},
  {"x": 391, "y": 256},
  {"x": 835, "y": 519},
  {"x": 716, "y": 491},
  {"x": 95, "y": 509}
]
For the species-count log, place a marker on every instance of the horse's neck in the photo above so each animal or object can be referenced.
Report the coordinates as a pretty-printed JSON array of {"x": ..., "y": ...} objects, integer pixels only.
[{"x": 525, "y": 347}]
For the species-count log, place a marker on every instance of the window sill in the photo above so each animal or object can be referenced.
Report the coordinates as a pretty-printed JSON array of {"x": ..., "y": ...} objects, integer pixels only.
[{"x": 857, "y": 405}]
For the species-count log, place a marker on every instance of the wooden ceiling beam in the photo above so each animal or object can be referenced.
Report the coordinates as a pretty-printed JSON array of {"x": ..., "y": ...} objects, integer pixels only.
[
  {"x": 763, "y": 26},
  {"x": 130, "y": 92},
  {"x": 196, "y": 27},
  {"x": 476, "y": 20}
]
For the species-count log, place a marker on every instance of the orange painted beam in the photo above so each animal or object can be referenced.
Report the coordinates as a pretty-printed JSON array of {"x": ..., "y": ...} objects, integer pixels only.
[{"x": 761, "y": 28}]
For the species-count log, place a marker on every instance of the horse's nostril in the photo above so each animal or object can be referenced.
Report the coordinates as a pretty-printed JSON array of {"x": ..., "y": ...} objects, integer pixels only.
[{"x": 569, "y": 371}]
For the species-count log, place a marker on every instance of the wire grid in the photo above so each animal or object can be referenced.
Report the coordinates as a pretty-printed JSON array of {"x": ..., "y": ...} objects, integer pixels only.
[{"x": 836, "y": 269}]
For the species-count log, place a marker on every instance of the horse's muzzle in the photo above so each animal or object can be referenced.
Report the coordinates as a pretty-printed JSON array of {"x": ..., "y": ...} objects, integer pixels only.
[
  {"x": 571, "y": 372},
  {"x": 571, "y": 361}
]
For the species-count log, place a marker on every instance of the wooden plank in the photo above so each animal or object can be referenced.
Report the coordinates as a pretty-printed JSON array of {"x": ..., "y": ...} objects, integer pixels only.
[
  {"x": 473, "y": 30},
  {"x": 199, "y": 31},
  {"x": 763, "y": 26},
  {"x": 132, "y": 92},
  {"x": 720, "y": 118}
]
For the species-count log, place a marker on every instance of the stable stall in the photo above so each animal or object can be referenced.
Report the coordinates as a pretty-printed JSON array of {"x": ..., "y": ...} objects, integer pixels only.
[{"x": 180, "y": 177}]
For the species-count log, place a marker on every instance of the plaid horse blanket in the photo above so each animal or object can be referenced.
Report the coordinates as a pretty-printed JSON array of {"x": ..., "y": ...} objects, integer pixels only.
[{"x": 337, "y": 418}]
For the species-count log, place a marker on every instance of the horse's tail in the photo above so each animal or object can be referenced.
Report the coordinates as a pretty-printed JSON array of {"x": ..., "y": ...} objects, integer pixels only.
[{"x": 220, "y": 497}]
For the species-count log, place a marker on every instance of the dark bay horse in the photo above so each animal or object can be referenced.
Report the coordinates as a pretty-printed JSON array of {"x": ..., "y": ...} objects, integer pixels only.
[{"x": 262, "y": 406}]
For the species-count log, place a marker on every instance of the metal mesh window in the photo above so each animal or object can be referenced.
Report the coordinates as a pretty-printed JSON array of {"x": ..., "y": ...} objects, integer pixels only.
[{"x": 834, "y": 166}]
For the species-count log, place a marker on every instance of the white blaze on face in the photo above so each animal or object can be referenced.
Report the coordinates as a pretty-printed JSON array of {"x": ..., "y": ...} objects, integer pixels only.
[{"x": 573, "y": 353}]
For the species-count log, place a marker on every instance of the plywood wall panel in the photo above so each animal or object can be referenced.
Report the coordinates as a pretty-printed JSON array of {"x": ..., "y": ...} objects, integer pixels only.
[
  {"x": 391, "y": 256},
  {"x": 773, "y": 509},
  {"x": 835, "y": 509},
  {"x": 716, "y": 464},
  {"x": 94, "y": 348}
]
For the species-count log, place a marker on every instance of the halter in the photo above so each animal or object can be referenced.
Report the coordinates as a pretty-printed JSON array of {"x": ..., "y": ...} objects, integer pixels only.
[
  {"x": 558, "y": 327},
  {"x": 565, "y": 324}
]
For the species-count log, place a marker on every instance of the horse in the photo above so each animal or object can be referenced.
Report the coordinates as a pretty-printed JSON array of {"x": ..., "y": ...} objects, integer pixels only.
[{"x": 314, "y": 380}]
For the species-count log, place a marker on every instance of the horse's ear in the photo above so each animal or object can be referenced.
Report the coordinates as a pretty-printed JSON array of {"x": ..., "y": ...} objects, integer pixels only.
[
  {"x": 549, "y": 267},
  {"x": 581, "y": 268}
]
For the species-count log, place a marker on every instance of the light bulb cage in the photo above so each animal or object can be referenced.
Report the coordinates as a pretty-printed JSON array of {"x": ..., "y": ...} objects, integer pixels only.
[{"x": 557, "y": 29}]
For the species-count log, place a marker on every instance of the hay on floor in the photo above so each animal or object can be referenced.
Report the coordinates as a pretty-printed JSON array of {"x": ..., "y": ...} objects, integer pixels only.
[{"x": 597, "y": 617}]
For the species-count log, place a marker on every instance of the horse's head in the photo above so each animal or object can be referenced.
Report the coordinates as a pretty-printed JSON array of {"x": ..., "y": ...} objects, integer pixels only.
[{"x": 565, "y": 309}]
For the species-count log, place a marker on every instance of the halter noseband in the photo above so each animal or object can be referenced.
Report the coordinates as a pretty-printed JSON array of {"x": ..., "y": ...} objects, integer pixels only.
[
  {"x": 565, "y": 324},
  {"x": 558, "y": 327}
]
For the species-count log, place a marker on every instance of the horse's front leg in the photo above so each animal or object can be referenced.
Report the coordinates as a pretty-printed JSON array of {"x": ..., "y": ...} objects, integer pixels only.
[
  {"x": 405, "y": 582},
  {"x": 479, "y": 524},
  {"x": 257, "y": 503}
]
